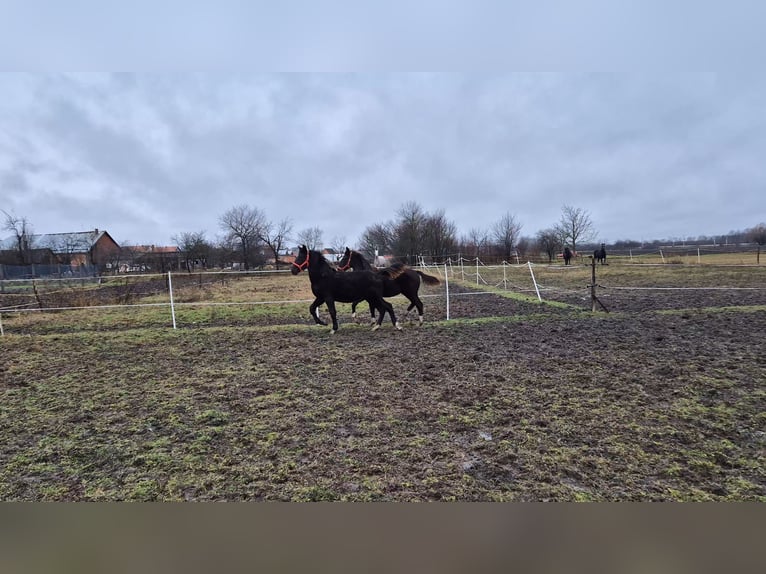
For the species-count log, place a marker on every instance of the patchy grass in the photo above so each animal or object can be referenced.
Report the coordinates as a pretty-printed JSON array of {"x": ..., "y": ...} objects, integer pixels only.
[
  {"x": 487, "y": 410},
  {"x": 513, "y": 400}
]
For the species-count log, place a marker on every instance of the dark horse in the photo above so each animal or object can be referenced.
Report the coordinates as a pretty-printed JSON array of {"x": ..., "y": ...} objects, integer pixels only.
[
  {"x": 329, "y": 286},
  {"x": 567, "y": 255},
  {"x": 398, "y": 278},
  {"x": 600, "y": 254}
]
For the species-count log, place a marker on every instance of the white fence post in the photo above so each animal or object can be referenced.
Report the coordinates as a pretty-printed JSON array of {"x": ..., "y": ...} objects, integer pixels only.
[
  {"x": 172, "y": 306},
  {"x": 699, "y": 260},
  {"x": 446, "y": 283},
  {"x": 534, "y": 281},
  {"x": 2, "y": 333}
]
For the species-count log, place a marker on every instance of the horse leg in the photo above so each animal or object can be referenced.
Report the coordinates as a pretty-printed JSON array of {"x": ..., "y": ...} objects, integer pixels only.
[
  {"x": 331, "y": 308},
  {"x": 381, "y": 312},
  {"x": 353, "y": 309},
  {"x": 375, "y": 322},
  {"x": 314, "y": 310},
  {"x": 383, "y": 307},
  {"x": 416, "y": 302}
]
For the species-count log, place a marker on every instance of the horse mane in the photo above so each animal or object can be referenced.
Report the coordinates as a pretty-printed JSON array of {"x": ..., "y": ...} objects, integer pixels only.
[
  {"x": 321, "y": 260},
  {"x": 394, "y": 270},
  {"x": 363, "y": 263}
]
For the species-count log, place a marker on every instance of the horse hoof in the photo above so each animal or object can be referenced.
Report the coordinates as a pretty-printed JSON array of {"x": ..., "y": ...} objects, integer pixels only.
[
  {"x": 333, "y": 331},
  {"x": 398, "y": 326},
  {"x": 353, "y": 314},
  {"x": 376, "y": 327}
]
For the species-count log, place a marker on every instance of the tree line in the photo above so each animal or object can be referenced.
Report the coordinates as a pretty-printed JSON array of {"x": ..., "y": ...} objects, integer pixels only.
[{"x": 250, "y": 238}]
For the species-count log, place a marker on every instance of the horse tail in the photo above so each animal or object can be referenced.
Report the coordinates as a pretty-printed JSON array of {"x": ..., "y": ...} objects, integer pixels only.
[{"x": 428, "y": 279}]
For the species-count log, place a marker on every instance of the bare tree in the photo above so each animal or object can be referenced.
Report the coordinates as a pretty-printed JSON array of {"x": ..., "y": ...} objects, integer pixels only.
[
  {"x": 414, "y": 232},
  {"x": 575, "y": 225},
  {"x": 408, "y": 231},
  {"x": 475, "y": 242},
  {"x": 275, "y": 235},
  {"x": 549, "y": 242},
  {"x": 194, "y": 247},
  {"x": 117, "y": 259},
  {"x": 223, "y": 252},
  {"x": 311, "y": 237},
  {"x": 523, "y": 247},
  {"x": 23, "y": 235},
  {"x": 439, "y": 235},
  {"x": 129, "y": 255},
  {"x": 244, "y": 226},
  {"x": 758, "y": 236},
  {"x": 338, "y": 244},
  {"x": 505, "y": 233},
  {"x": 378, "y": 238}
]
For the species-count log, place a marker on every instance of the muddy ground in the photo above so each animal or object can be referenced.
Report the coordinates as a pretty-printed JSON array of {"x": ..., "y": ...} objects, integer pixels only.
[
  {"x": 647, "y": 300},
  {"x": 521, "y": 402}
]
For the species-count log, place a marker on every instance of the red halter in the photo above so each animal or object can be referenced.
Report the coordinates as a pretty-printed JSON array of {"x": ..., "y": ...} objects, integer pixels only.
[
  {"x": 348, "y": 263},
  {"x": 305, "y": 264}
]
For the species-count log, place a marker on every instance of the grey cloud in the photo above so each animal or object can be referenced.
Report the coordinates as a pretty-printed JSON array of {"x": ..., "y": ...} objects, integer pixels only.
[{"x": 648, "y": 155}]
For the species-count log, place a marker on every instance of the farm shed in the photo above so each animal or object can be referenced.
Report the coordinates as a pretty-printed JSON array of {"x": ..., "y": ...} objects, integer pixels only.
[{"x": 95, "y": 247}]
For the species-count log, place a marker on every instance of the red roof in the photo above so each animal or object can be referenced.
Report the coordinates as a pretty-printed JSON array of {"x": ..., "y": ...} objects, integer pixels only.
[{"x": 155, "y": 249}]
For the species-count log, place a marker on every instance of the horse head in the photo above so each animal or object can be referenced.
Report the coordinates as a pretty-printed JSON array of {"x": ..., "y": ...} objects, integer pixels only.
[
  {"x": 345, "y": 262},
  {"x": 301, "y": 261}
]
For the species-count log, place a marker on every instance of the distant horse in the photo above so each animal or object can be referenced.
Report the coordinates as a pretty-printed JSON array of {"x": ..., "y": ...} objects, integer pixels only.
[
  {"x": 600, "y": 254},
  {"x": 329, "y": 285},
  {"x": 567, "y": 255},
  {"x": 398, "y": 278}
]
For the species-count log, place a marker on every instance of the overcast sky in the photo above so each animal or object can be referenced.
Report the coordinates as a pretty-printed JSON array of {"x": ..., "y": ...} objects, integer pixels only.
[{"x": 149, "y": 156}]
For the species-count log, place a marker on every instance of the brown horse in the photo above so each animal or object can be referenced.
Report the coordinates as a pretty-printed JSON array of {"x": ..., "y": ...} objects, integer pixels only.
[
  {"x": 328, "y": 286},
  {"x": 567, "y": 255},
  {"x": 398, "y": 278},
  {"x": 600, "y": 254}
]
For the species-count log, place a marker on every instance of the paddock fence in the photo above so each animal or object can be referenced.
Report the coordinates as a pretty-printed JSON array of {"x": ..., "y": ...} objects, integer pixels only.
[{"x": 194, "y": 299}]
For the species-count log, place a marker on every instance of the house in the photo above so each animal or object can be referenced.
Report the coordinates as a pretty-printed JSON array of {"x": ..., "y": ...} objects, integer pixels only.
[
  {"x": 81, "y": 248},
  {"x": 331, "y": 255},
  {"x": 287, "y": 259},
  {"x": 43, "y": 256},
  {"x": 151, "y": 258}
]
